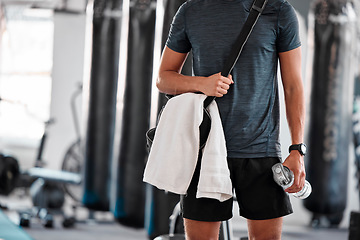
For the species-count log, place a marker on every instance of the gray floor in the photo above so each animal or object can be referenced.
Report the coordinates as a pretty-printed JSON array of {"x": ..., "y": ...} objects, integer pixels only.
[
  {"x": 102, "y": 226},
  {"x": 114, "y": 231}
]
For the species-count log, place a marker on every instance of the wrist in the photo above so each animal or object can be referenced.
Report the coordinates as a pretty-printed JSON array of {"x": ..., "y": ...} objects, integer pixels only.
[
  {"x": 199, "y": 84},
  {"x": 295, "y": 153}
]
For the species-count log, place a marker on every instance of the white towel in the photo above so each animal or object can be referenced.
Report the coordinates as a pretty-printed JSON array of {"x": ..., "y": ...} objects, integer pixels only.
[
  {"x": 214, "y": 181},
  {"x": 174, "y": 152}
]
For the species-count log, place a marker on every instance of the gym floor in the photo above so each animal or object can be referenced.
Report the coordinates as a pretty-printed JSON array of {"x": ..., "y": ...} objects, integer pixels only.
[{"x": 100, "y": 225}]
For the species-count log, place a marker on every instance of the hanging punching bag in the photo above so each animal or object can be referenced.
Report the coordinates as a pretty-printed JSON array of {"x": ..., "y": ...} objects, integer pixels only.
[
  {"x": 356, "y": 108},
  {"x": 160, "y": 204},
  {"x": 354, "y": 230},
  {"x": 333, "y": 34},
  {"x": 130, "y": 190},
  {"x": 356, "y": 129},
  {"x": 101, "y": 104}
]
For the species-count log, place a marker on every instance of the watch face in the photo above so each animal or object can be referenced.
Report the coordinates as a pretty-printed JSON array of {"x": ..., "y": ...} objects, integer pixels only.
[{"x": 303, "y": 148}]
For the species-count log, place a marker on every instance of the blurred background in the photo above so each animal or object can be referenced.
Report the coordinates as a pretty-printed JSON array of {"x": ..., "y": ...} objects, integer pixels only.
[{"x": 77, "y": 95}]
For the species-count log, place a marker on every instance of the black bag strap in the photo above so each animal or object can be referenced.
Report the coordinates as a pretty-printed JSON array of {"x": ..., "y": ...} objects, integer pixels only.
[{"x": 255, "y": 12}]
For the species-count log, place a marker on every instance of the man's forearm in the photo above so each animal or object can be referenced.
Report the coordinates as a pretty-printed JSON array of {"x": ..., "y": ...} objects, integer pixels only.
[
  {"x": 295, "y": 113},
  {"x": 173, "y": 83},
  {"x": 290, "y": 63}
]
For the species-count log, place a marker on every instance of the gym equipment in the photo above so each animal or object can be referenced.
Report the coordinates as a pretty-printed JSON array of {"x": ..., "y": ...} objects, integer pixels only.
[
  {"x": 332, "y": 25},
  {"x": 354, "y": 226},
  {"x": 48, "y": 196},
  {"x": 159, "y": 207},
  {"x": 101, "y": 109},
  {"x": 129, "y": 205},
  {"x": 74, "y": 157},
  {"x": 46, "y": 189},
  {"x": 9, "y": 173},
  {"x": 173, "y": 221},
  {"x": 171, "y": 237},
  {"x": 46, "y": 185},
  {"x": 356, "y": 129}
]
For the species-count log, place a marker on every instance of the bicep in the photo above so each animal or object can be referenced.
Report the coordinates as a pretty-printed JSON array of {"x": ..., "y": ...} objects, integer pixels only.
[{"x": 171, "y": 60}]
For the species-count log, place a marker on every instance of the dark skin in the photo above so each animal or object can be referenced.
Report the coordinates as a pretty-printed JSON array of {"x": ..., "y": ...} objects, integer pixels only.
[{"x": 171, "y": 81}]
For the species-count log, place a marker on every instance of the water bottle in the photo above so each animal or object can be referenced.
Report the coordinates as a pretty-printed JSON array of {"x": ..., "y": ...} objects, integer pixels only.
[{"x": 285, "y": 178}]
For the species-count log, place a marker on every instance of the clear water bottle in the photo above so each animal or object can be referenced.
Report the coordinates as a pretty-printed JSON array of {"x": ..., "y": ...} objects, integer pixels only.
[{"x": 285, "y": 178}]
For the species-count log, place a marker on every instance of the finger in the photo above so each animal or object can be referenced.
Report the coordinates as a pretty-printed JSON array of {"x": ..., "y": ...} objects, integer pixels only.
[
  {"x": 230, "y": 77},
  {"x": 292, "y": 189},
  {"x": 296, "y": 187},
  {"x": 225, "y": 86},
  {"x": 221, "y": 90},
  {"x": 227, "y": 81},
  {"x": 222, "y": 85},
  {"x": 302, "y": 181}
]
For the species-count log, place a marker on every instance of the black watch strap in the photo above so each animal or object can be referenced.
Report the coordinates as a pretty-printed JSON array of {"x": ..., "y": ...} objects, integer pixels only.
[{"x": 299, "y": 147}]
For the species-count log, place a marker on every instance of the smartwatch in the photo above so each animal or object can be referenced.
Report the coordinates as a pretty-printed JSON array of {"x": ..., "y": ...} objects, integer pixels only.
[{"x": 299, "y": 147}]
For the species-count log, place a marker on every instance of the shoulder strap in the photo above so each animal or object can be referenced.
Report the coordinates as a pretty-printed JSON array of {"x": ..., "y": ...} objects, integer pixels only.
[{"x": 255, "y": 12}]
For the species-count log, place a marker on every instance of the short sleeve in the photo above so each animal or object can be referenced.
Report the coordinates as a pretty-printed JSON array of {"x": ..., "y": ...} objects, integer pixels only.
[
  {"x": 288, "y": 29},
  {"x": 178, "y": 40}
]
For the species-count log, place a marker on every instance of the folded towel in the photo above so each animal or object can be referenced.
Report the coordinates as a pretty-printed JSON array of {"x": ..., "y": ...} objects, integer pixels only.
[
  {"x": 174, "y": 152},
  {"x": 214, "y": 180}
]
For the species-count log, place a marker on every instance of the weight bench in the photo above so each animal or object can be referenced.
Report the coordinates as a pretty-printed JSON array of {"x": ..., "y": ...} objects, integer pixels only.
[
  {"x": 54, "y": 175},
  {"x": 45, "y": 176}
]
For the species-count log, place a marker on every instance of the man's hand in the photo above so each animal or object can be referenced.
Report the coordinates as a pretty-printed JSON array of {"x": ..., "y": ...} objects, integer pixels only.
[
  {"x": 216, "y": 85},
  {"x": 295, "y": 162}
]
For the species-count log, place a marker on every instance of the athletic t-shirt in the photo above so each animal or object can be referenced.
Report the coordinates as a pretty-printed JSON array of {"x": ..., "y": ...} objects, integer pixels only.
[{"x": 250, "y": 110}]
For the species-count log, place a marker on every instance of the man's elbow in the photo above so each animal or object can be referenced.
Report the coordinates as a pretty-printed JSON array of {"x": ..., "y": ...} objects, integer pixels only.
[{"x": 159, "y": 84}]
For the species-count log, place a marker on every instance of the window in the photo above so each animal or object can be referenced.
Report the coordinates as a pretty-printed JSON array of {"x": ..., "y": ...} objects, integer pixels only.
[{"x": 25, "y": 72}]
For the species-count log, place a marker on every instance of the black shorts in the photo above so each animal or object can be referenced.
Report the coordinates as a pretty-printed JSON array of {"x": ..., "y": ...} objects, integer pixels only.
[{"x": 258, "y": 196}]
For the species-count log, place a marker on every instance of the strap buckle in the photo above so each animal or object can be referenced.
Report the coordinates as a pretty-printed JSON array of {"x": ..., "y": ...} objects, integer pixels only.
[{"x": 259, "y": 8}]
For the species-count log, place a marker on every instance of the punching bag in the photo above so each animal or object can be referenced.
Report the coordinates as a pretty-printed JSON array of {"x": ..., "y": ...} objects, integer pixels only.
[
  {"x": 130, "y": 189},
  {"x": 332, "y": 32},
  {"x": 102, "y": 104},
  {"x": 356, "y": 111},
  {"x": 354, "y": 230},
  {"x": 160, "y": 204},
  {"x": 356, "y": 129}
]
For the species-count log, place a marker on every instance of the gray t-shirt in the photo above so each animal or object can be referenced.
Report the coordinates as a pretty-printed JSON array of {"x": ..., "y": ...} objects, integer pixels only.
[{"x": 250, "y": 110}]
